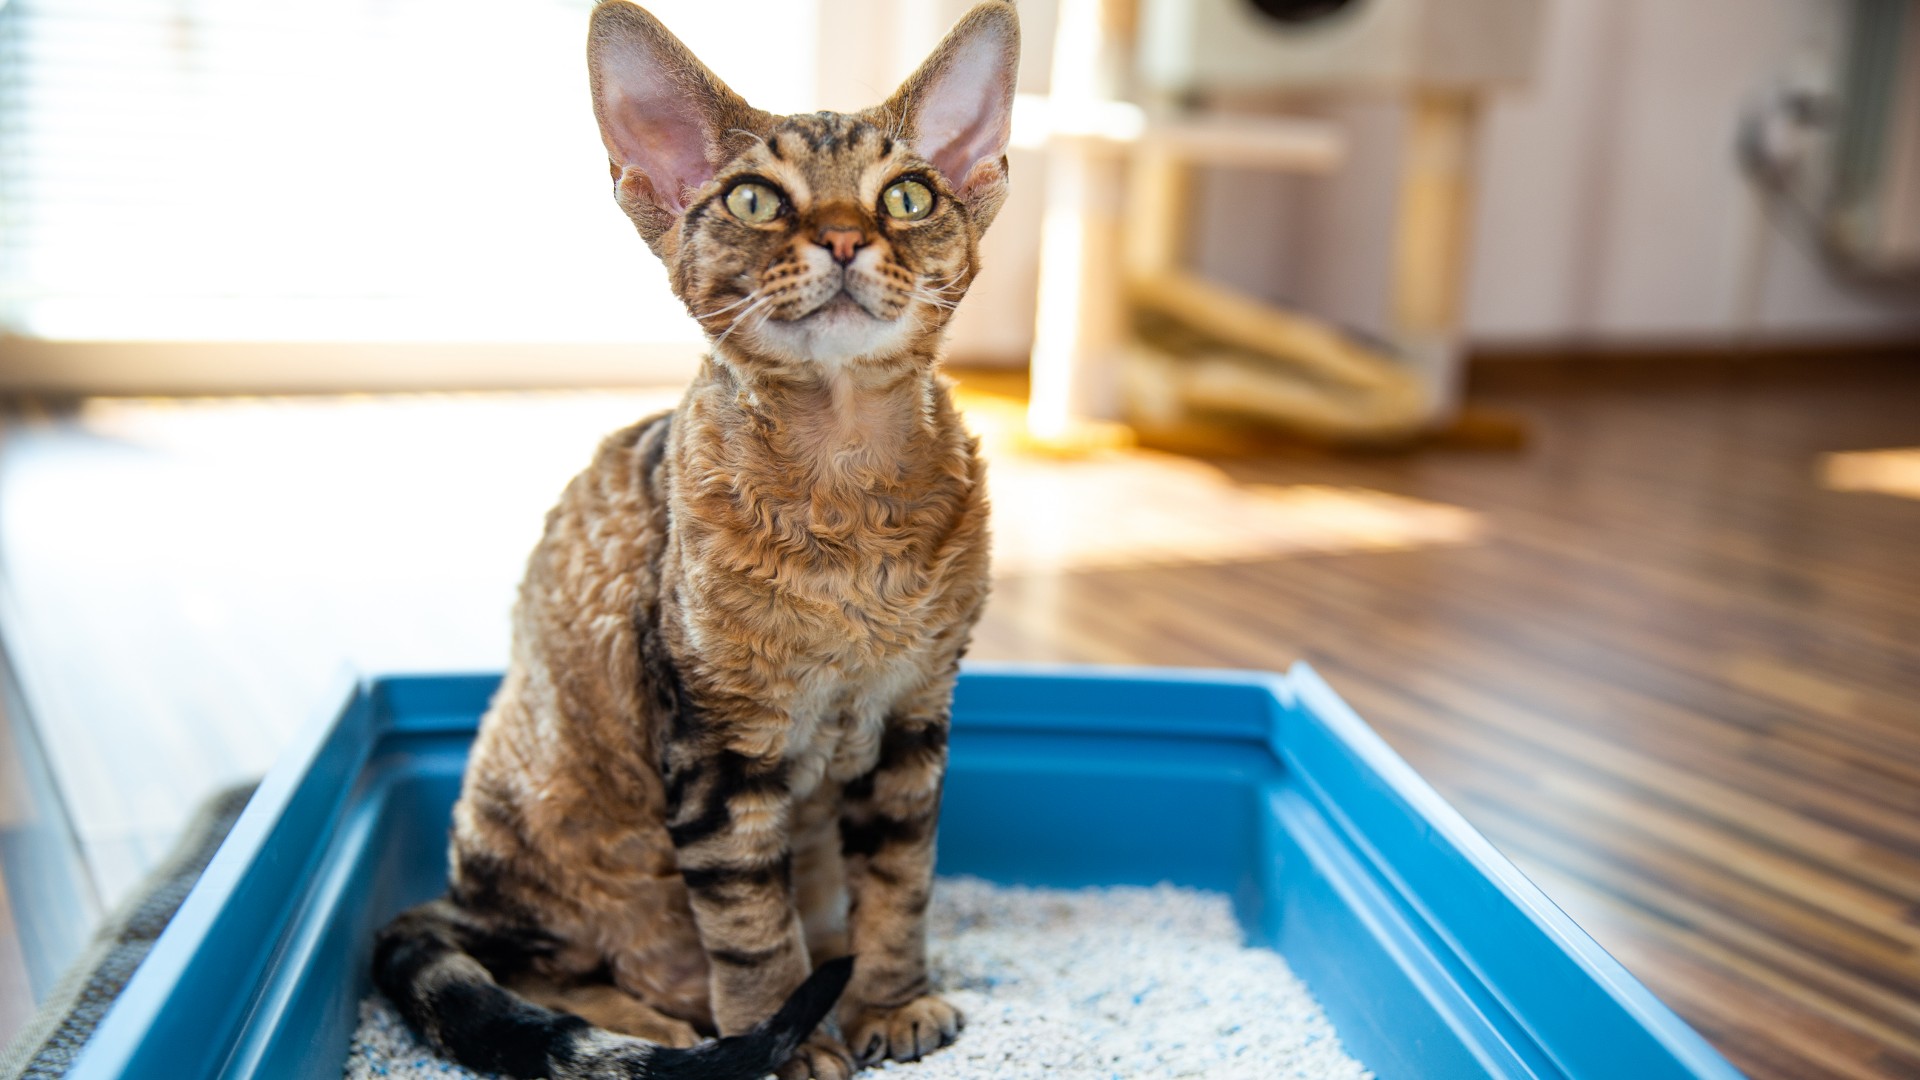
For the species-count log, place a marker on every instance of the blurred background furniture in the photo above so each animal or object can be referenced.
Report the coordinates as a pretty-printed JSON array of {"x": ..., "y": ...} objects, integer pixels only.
[{"x": 1125, "y": 328}]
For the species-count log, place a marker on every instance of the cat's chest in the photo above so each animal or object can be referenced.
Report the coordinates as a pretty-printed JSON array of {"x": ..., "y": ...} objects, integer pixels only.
[
  {"x": 855, "y": 569},
  {"x": 836, "y": 719}
]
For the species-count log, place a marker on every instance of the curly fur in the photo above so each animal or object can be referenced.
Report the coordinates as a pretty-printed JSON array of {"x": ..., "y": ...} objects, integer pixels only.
[{"x": 716, "y": 759}]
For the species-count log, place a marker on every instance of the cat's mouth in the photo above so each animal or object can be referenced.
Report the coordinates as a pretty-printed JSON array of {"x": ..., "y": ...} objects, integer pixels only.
[
  {"x": 841, "y": 326},
  {"x": 839, "y": 305}
]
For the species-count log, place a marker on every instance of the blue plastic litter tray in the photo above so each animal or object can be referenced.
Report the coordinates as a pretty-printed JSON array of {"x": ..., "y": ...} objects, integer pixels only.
[{"x": 1433, "y": 956}]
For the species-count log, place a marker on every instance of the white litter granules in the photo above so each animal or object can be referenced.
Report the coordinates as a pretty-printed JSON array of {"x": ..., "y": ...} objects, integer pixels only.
[{"x": 1092, "y": 984}]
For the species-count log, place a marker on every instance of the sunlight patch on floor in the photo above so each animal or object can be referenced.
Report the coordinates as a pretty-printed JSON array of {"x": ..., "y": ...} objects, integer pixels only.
[
  {"x": 1887, "y": 472},
  {"x": 1140, "y": 508},
  {"x": 502, "y": 459},
  {"x": 1106, "y": 505},
  {"x": 497, "y": 461}
]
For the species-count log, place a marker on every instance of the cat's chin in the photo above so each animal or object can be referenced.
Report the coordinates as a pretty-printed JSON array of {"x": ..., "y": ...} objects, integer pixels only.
[{"x": 837, "y": 331}]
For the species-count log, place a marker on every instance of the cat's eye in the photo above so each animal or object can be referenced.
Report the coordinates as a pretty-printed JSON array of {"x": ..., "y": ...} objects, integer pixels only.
[
  {"x": 753, "y": 203},
  {"x": 907, "y": 200}
]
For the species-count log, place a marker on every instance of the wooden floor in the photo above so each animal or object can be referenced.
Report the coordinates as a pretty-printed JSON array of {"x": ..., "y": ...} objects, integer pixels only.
[
  {"x": 1657, "y": 656},
  {"x": 1676, "y": 679}
]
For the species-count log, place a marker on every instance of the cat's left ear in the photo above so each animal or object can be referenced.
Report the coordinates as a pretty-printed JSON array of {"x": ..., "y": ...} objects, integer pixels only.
[{"x": 958, "y": 108}]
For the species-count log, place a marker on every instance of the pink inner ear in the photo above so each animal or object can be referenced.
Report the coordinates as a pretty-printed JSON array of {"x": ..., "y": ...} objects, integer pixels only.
[
  {"x": 652, "y": 124},
  {"x": 965, "y": 114}
]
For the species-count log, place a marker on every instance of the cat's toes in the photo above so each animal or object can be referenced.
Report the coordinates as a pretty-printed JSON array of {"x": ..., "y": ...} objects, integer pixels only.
[
  {"x": 821, "y": 1057},
  {"x": 907, "y": 1033}
]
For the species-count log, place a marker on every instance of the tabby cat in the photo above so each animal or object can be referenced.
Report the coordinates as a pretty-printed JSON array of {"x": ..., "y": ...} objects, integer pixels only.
[{"x": 711, "y": 777}]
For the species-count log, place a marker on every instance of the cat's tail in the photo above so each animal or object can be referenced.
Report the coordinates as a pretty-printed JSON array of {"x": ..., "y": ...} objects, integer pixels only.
[{"x": 423, "y": 962}]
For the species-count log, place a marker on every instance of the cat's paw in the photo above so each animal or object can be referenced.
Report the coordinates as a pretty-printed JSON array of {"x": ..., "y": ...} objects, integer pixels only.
[
  {"x": 821, "y": 1057},
  {"x": 907, "y": 1033}
]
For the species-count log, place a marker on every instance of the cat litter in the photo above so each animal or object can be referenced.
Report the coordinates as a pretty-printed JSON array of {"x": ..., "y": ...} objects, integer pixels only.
[{"x": 1092, "y": 984}]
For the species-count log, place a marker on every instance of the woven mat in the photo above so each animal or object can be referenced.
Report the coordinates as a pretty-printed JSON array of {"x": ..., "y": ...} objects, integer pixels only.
[{"x": 48, "y": 1046}]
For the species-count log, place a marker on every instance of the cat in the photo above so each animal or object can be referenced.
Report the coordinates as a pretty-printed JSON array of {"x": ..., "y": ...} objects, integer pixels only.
[{"x": 704, "y": 798}]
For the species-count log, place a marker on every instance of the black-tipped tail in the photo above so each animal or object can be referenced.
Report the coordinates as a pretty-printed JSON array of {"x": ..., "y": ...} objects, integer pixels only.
[
  {"x": 422, "y": 963},
  {"x": 425, "y": 962},
  {"x": 764, "y": 1049}
]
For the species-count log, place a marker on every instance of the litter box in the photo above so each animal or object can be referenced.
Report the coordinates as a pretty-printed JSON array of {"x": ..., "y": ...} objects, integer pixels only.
[{"x": 1433, "y": 956}]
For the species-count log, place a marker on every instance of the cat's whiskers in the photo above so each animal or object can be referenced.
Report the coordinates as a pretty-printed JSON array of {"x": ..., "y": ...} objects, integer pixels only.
[
  {"x": 754, "y": 135},
  {"x": 898, "y": 131},
  {"x": 934, "y": 293},
  {"x": 944, "y": 285},
  {"x": 724, "y": 308},
  {"x": 933, "y": 299},
  {"x": 757, "y": 307}
]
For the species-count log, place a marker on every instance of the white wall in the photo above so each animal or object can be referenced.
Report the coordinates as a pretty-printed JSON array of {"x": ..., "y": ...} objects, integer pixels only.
[{"x": 1611, "y": 208}]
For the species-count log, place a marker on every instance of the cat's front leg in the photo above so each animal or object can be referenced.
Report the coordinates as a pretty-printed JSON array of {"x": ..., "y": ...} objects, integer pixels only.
[
  {"x": 728, "y": 815},
  {"x": 887, "y": 828}
]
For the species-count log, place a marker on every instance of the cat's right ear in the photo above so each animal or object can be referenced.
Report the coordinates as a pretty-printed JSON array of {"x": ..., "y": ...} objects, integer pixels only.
[{"x": 664, "y": 118}]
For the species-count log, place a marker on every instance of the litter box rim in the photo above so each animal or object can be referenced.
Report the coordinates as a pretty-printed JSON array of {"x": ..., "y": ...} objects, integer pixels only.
[{"x": 1368, "y": 821}]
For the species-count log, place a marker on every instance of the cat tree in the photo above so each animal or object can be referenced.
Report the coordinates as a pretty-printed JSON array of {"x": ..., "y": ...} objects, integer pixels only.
[{"x": 1126, "y": 330}]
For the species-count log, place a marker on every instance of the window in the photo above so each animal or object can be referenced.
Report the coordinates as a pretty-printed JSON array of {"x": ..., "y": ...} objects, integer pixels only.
[{"x": 380, "y": 170}]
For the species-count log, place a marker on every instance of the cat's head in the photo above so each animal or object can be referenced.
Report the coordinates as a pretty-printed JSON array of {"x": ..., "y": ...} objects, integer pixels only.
[{"x": 826, "y": 238}]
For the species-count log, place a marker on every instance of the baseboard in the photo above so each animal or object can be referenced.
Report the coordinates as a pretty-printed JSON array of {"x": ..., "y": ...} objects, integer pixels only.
[
  {"x": 1653, "y": 363},
  {"x": 79, "y": 368}
]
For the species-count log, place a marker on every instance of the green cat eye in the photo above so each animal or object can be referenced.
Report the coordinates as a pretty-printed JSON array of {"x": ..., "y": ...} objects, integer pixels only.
[
  {"x": 907, "y": 200},
  {"x": 753, "y": 203}
]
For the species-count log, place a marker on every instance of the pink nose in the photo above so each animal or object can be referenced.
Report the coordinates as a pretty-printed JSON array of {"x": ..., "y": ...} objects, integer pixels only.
[{"x": 843, "y": 242}]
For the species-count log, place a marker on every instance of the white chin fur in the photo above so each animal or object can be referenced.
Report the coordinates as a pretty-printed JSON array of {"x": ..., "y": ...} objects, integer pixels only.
[{"x": 843, "y": 332}]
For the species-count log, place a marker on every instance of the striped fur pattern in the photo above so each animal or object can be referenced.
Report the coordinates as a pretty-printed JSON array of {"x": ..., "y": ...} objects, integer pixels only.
[{"x": 713, "y": 771}]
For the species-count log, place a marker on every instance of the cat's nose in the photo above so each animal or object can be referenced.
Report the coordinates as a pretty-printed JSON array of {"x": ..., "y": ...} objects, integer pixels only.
[{"x": 845, "y": 243}]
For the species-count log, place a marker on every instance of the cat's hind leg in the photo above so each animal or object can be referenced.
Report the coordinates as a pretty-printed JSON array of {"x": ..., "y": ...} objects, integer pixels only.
[
  {"x": 607, "y": 1006},
  {"x": 424, "y": 962}
]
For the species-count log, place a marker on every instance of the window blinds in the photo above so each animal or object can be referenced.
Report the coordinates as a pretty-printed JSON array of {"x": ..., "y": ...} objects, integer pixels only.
[{"x": 378, "y": 170}]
